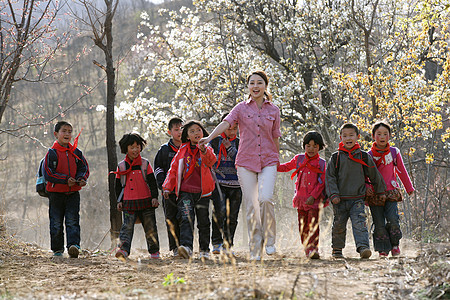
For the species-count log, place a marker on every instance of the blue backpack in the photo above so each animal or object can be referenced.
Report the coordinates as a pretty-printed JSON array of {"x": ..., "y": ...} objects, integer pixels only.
[{"x": 41, "y": 183}]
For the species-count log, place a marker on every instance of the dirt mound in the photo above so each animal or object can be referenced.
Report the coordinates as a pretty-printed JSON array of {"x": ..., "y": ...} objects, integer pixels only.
[{"x": 26, "y": 271}]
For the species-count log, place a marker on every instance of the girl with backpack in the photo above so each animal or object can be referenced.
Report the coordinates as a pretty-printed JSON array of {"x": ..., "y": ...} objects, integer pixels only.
[
  {"x": 137, "y": 196},
  {"x": 387, "y": 233},
  {"x": 309, "y": 190}
]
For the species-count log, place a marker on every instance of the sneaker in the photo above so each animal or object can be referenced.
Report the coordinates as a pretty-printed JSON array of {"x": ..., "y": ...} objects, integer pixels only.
[
  {"x": 184, "y": 252},
  {"x": 395, "y": 251},
  {"x": 203, "y": 255},
  {"x": 313, "y": 254},
  {"x": 74, "y": 251},
  {"x": 175, "y": 252},
  {"x": 383, "y": 254},
  {"x": 270, "y": 250},
  {"x": 337, "y": 253},
  {"x": 155, "y": 255},
  {"x": 365, "y": 253},
  {"x": 58, "y": 254},
  {"x": 255, "y": 258},
  {"x": 216, "y": 249},
  {"x": 121, "y": 254}
]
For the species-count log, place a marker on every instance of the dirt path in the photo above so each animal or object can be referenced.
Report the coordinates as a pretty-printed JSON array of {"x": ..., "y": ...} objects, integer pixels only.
[{"x": 28, "y": 272}]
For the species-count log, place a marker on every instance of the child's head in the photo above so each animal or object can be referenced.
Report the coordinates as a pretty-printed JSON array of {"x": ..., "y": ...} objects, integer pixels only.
[
  {"x": 349, "y": 135},
  {"x": 193, "y": 131},
  {"x": 313, "y": 143},
  {"x": 174, "y": 129},
  {"x": 132, "y": 144},
  {"x": 63, "y": 133},
  {"x": 381, "y": 132},
  {"x": 232, "y": 130}
]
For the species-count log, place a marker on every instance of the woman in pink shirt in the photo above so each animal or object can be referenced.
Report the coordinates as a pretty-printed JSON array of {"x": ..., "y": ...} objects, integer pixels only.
[
  {"x": 256, "y": 162},
  {"x": 387, "y": 233}
]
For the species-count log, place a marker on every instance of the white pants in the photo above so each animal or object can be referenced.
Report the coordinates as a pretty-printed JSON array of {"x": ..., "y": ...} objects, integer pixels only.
[{"x": 257, "y": 194}]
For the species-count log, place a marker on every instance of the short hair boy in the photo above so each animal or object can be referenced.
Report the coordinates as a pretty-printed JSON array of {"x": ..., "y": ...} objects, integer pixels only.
[
  {"x": 66, "y": 171},
  {"x": 227, "y": 196},
  {"x": 162, "y": 164},
  {"x": 346, "y": 187}
]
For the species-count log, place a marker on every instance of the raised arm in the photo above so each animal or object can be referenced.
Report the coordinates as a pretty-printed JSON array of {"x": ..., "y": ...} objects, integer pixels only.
[{"x": 224, "y": 125}]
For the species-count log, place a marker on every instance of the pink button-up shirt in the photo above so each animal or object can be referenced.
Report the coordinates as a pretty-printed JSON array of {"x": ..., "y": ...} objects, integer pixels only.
[{"x": 258, "y": 129}]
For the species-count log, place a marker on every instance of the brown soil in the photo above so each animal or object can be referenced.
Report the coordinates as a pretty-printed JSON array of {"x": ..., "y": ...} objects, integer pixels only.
[{"x": 29, "y": 272}]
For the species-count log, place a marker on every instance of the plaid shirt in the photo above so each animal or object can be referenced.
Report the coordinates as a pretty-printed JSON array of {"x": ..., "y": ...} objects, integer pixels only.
[{"x": 135, "y": 205}]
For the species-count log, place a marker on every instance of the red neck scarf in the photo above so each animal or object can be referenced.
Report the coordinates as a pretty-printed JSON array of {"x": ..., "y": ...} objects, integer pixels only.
[
  {"x": 377, "y": 152},
  {"x": 174, "y": 148},
  {"x": 191, "y": 164},
  {"x": 71, "y": 148},
  {"x": 342, "y": 148},
  {"x": 223, "y": 149},
  {"x": 136, "y": 162},
  {"x": 306, "y": 163}
]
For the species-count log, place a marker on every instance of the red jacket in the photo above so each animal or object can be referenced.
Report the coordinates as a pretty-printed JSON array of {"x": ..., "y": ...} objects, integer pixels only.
[
  {"x": 59, "y": 166},
  {"x": 177, "y": 171},
  {"x": 308, "y": 183}
]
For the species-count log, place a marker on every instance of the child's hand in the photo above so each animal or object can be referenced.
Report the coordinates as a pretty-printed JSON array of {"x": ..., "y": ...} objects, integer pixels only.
[
  {"x": 336, "y": 200},
  {"x": 81, "y": 182},
  {"x": 369, "y": 192},
  {"x": 226, "y": 143},
  {"x": 119, "y": 206},
  {"x": 166, "y": 194},
  {"x": 310, "y": 200},
  {"x": 202, "y": 148},
  {"x": 155, "y": 202},
  {"x": 71, "y": 181}
]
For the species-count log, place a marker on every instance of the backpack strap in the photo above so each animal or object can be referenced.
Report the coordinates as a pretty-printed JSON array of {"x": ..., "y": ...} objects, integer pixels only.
[
  {"x": 122, "y": 167},
  {"x": 394, "y": 155},
  {"x": 322, "y": 164},
  {"x": 144, "y": 167},
  {"x": 300, "y": 160}
]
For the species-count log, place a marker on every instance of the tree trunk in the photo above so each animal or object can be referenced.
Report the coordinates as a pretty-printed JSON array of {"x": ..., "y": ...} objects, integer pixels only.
[{"x": 115, "y": 216}]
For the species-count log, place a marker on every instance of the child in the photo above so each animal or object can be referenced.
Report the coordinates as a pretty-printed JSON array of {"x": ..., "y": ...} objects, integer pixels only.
[
  {"x": 66, "y": 171},
  {"x": 227, "y": 196},
  {"x": 137, "y": 195},
  {"x": 310, "y": 185},
  {"x": 190, "y": 176},
  {"x": 162, "y": 164},
  {"x": 387, "y": 233},
  {"x": 345, "y": 185}
]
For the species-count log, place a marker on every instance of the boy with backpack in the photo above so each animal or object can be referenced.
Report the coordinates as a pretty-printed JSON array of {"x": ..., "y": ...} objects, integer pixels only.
[
  {"x": 162, "y": 163},
  {"x": 66, "y": 171},
  {"x": 346, "y": 188}
]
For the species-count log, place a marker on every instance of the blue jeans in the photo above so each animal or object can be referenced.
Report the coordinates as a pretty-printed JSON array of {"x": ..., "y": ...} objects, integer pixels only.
[
  {"x": 353, "y": 209},
  {"x": 64, "y": 208},
  {"x": 148, "y": 220},
  {"x": 227, "y": 203},
  {"x": 386, "y": 221},
  {"x": 190, "y": 205},
  {"x": 170, "y": 213}
]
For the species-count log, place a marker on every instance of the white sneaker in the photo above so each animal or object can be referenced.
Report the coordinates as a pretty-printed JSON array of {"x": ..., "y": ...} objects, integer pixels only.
[
  {"x": 184, "y": 252},
  {"x": 203, "y": 255},
  {"x": 175, "y": 252},
  {"x": 270, "y": 250}
]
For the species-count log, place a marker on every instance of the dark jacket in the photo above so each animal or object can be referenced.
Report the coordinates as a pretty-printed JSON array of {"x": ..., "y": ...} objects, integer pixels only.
[
  {"x": 59, "y": 166},
  {"x": 226, "y": 173},
  {"x": 162, "y": 162},
  {"x": 347, "y": 180}
]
